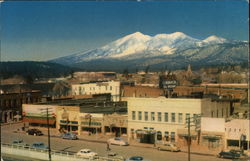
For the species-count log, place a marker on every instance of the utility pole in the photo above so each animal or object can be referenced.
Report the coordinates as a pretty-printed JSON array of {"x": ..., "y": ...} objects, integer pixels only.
[
  {"x": 48, "y": 134},
  {"x": 47, "y": 116},
  {"x": 189, "y": 138}
]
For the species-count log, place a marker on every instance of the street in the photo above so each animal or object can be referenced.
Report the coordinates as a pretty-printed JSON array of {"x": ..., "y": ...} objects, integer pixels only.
[{"x": 75, "y": 145}]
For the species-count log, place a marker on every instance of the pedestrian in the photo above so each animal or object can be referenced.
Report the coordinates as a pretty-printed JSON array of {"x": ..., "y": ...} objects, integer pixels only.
[{"x": 108, "y": 148}]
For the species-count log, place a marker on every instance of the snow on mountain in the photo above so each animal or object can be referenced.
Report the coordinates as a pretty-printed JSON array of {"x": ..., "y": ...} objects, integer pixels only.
[
  {"x": 138, "y": 45},
  {"x": 214, "y": 40}
]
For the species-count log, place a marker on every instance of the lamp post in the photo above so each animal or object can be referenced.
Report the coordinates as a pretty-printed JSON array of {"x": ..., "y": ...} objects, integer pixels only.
[{"x": 47, "y": 114}]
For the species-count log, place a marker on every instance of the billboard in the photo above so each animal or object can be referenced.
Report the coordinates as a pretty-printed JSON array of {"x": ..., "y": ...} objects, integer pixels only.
[{"x": 38, "y": 110}]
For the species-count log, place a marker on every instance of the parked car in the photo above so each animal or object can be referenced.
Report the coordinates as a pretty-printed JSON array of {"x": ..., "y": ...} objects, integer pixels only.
[
  {"x": 228, "y": 155},
  {"x": 114, "y": 155},
  {"x": 34, "y": 132},
  {"x": 70, "y": 136},
  {"x": 169, "y": 147},
  {"x": 87, "y": 153},
  {"x": 39, "y": 145},
  {"x": 117, "y": 141},
  {"x": 19, "y": 142},
  {"x": 135, "y": 158}
]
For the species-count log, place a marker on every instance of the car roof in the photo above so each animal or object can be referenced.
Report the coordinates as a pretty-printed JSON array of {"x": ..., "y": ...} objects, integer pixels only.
[
  {"x": 136, "y": 157},
  {"x": 38, "y": 143},
  {"x": 85, "y": 150}
]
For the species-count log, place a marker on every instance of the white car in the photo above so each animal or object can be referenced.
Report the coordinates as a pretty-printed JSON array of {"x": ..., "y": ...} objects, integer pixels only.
[
  {"x": 87, "y": 153},
  {"x": 117, "y": 141}
]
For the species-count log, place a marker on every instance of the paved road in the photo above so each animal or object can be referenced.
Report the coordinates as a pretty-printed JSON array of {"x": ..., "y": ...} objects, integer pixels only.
[{"x": 75, "y": 145}]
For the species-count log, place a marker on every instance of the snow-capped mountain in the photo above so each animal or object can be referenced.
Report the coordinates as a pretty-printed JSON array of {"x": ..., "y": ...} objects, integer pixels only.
[
  {"x": 131, "y": 45},
  {"x": 138, "y": 46}
]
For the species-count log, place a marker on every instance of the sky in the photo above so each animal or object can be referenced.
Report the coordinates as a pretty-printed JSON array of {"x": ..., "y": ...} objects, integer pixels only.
[{"x": 43, "y": 30}]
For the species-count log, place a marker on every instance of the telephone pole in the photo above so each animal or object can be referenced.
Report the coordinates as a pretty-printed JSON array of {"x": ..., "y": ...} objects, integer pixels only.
[{"x": 189, "y": 138}]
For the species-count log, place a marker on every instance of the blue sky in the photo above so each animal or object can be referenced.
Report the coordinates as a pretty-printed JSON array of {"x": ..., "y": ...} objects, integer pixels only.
[{"x": 41, "y": 31}]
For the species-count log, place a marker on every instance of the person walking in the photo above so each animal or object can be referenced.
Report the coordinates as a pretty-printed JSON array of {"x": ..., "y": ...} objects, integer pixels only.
[{"x": 108, "y": 148}]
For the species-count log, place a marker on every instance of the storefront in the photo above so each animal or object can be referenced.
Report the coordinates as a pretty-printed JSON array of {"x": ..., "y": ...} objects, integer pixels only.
[
  {"x": 37, "y": 115},
  {"x": 91, "y": 123}
]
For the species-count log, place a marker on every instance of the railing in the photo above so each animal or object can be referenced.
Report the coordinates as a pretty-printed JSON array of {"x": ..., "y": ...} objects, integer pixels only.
[{"x": 69, "y": 155}]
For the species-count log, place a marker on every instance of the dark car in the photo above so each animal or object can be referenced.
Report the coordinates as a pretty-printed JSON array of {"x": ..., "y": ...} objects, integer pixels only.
[
  {"x": 39, "y": 145},
  {"x": 70, "y": 136},
  {"x": 229, "y": 155},
  {"x": 19, "y": 142},
  {"x": 34, "y": 132},
  {"x": 135, "y": 158}
]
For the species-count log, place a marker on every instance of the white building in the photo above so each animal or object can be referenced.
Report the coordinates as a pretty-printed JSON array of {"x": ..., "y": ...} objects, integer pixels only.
[
  {"x": 161, "y": 115},
  {"x": 109, "y": 87},
  {"x": 167, "y": 116},
  {"x": 237, "y": 132}
]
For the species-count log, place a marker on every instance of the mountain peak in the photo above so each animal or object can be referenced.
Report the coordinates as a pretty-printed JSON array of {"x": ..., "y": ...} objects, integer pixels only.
[{"x": 215, "y": 39}]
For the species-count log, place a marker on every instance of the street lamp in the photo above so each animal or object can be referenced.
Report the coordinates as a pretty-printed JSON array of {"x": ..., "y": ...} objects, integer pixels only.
[{"x": 47, "y": 113}]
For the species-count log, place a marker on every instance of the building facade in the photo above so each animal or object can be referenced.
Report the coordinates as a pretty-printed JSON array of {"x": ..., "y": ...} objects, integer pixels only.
[
  {"x": 110, "y": 87},
  {"x": 166, "y": 117}
]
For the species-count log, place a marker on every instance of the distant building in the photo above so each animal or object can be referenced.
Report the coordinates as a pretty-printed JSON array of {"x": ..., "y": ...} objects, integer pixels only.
[
  {"x": 109, "y": 87},
  {"x": 94, "y": 76},
  {"x": 141, "y": 91}
]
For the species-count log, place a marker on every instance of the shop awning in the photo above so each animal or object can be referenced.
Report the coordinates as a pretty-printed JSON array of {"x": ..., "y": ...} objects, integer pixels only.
[{"x": 39, "y": 120}]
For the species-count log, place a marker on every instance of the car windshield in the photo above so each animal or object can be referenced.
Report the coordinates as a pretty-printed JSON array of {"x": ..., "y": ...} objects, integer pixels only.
[{"x": 136, "y": 158}]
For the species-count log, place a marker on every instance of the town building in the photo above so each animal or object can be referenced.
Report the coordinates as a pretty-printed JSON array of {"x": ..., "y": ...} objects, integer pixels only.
[
  {"x": 141, "y": 91},
  {"x": 11, "y": 104},
  {"x": 90, "y": 88},
  {"x": 94, "y": 76},
  {"x": 165, "y": 118},
  {"x": 82, "y": 116}
]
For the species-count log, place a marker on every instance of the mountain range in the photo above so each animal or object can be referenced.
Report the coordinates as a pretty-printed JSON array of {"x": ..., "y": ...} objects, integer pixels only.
[{"x": 173, "y": 50}]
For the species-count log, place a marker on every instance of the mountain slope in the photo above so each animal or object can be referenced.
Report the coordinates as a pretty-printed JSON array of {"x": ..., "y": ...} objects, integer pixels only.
[{"x": 175, "y": 49}]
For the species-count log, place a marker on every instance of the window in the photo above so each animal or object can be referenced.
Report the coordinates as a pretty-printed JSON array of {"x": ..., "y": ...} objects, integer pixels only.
[
  {"x": 180, "y": 118},
  {"x": 139, "y": 115},
  {"x": 80, "y": 90},
  {"x": 152, "y": 116},
  {"x": 172, "y": 136},
  {"x": 159, "y": 116},
  {"x": 133, "y": 115},
  {"x": 187, "y": 116},
  {"x": 166, "y": 117},
  {"x": 167, "y": 135},
  {"x": 172, "y": 117},
  {"x": 106, "y": 88},
  {"x": 111, "y": 88},
  {"x": 146, "y": 116}
]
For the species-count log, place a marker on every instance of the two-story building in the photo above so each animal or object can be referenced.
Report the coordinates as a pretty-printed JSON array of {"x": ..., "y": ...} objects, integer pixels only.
[{"x": 104, "y": 87}]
